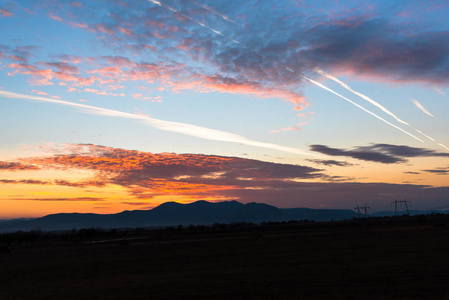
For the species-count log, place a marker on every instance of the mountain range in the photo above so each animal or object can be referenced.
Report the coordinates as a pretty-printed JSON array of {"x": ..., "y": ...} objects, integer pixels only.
[{"x": 173, "y": 213}]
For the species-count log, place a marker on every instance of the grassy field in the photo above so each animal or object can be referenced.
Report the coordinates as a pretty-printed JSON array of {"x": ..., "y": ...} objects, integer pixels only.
[{"x": 393, "y": 260}]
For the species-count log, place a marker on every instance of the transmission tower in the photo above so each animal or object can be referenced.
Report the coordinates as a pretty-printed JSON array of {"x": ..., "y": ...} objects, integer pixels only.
[
  {"x": 400, "y": 202},
  {"x": 365, "y": 211},
  {"x": 359, "y": 213},
  {"x": 362, "y": 211}
]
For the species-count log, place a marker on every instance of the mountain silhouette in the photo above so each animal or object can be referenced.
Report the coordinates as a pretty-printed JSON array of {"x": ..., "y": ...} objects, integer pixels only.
[{"x": 173, "y": 213}]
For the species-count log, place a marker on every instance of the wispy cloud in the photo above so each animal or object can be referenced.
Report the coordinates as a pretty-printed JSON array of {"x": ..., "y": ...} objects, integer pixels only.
[
  {"x": 182, "y": 128},
  {"x": 331, "y": 163},
  {"x": 381, "y": 153},
  {"x": 421, "y": 107},
  {"x": 16, "y": 166},
  {"x": 5, "y": 13},
  {"x": 69, "y": 199},
  {"x": 438, "y": 171}
]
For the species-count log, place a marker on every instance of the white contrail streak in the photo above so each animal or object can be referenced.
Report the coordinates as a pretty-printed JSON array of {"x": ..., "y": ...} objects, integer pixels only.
[
  {"x": 419, "y": 105},
  {"x": 359, "y": 106},
  {"x": 215, "y": 12},
  {"x": 183, "y": 128},
  {"x": 197, "y": 22},
  {"x": 432, "y": 139},
  {"x": 443, "y": 146},
  {"x": 321, "y": 72}
]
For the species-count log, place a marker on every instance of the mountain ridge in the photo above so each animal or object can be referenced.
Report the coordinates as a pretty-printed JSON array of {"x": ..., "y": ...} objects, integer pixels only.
[{"x": 173, "y": 213}]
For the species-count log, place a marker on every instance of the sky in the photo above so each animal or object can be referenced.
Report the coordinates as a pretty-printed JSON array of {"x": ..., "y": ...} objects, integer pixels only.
[{"x": 119, "y": 105}]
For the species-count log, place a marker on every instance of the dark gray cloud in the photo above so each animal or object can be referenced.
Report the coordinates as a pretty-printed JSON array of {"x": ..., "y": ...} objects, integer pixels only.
[
  {"x": 24, "y": 181},
  {"x": 438, "y": 171},
  {"x": 330, "y": 163},
  {"x": 16, "y": 166},
  {"x": 381, "y": 153},
  {"x": 344, "y": 195}
]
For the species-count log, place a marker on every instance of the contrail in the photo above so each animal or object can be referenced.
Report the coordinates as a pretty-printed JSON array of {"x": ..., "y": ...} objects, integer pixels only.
[
  {"x": 443, "y": 146},
  {"x": 197, "y": 22},
  {"x": 419, "y": 105},
  {"x": 215, "y": 12},
  {"x": 432, "y": 139},
  {"x": 321, "y": 72},
  {"x": 183, "y": 128},
  {"x": 359, "y": 106},
  {"x": 310, "y": 80}
]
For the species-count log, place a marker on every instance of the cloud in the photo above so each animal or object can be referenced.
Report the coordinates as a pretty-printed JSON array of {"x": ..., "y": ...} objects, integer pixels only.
[
  {"x": 147, "y": 175},
  {"x": 421, "y": 107},
  {"x": 381, "y": 153},
  {"x": 24, "y": 181},
  {"x": 438, "y": 171},
  {"x": 5, "y": 13},
  {"x": 183, "y": 128},
  {"x": 297, "y": 127},
  {"x": 330, "y": 163},
  {"x": 16, "y": 166},
  {"x": 74, "y": 199},
  {"x": 254, "y": 43}
]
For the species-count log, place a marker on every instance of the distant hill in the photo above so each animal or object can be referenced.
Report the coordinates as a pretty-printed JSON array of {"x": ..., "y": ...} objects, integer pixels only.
[{"x": 172, "y": 213}]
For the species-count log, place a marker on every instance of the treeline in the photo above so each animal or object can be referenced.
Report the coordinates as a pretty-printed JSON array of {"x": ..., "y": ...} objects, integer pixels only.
[
  {"x": 124, "y": 235},
  {"x": 118, "y": 234}
]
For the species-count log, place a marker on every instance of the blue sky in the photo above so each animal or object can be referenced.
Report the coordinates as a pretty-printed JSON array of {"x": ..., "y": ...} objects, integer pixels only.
[{"x": 264, "y": 75}]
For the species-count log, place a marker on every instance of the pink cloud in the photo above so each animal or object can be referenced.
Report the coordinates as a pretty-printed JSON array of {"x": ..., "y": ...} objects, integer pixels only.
[
  {"x": 72, "y": 89},
  {"x": 17, "y": 58},
  {"x": 109, "y": 72},
  {"x": 159, "y": 36},
  {"x": 79, "y": 25},
  {"x": 231, "y": 85},
  {"x": 39, "y": 92},
  {"x": 296, "y": 127},
  {"x": 103, "y": 28},
  {"x": 95, "y": 91},
  {"x": 126, "y": 31},
  {"x": 5, "y": 13},
  {"x": 70, "y": 59},
  {"x": 56, "y": 18},
  {"x": 137, "y": 96}
]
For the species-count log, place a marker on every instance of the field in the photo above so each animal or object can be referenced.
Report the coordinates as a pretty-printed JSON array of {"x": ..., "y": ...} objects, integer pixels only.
[{"x": 394, "y": 259}]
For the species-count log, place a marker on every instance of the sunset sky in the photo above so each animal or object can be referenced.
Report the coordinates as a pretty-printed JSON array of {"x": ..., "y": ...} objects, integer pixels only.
[{"x": 119, "y": 105}]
